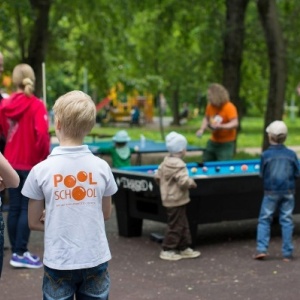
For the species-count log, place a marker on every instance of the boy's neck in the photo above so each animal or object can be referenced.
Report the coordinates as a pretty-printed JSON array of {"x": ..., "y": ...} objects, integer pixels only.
[
  {"x": 68, "y": 142},
  {"x": 179, "y": 155},
  {"x": 274, "y": 144}
]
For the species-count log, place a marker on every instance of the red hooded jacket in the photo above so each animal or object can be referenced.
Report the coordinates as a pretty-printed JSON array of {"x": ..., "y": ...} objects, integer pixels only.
[{"x": 24, "y": 123}]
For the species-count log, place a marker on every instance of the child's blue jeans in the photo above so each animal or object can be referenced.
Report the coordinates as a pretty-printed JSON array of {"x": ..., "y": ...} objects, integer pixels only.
[
  {"x": 86, "y": 284},
  {"x": 285, "y": 205}
]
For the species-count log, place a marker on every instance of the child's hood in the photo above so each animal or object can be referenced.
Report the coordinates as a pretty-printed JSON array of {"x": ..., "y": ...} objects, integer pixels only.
[
  {"x": 172, "y": 165},
  {"x": 17, "y": 105}
]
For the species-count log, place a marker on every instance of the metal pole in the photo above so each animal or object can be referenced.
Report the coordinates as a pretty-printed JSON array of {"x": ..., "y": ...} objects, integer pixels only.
[{"x": 44, "y": 83}]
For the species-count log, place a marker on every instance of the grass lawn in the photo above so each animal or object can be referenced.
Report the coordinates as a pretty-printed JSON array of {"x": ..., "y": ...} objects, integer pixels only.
[{"x": 251, "y": 134}]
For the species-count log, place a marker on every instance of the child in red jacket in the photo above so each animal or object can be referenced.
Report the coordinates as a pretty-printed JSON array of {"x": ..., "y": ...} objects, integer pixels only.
[{"x": 24, "y": 123}]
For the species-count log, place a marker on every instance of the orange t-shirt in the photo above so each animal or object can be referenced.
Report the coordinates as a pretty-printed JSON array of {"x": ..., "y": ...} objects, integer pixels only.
[{"x": 222, "y": 115}]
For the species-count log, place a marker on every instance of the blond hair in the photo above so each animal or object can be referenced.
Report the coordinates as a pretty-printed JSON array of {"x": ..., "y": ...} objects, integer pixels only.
[
  {"x": 76, "y": 113},
  {"x": 23, "y": 78},
  {"x": 217, "y": 94}
]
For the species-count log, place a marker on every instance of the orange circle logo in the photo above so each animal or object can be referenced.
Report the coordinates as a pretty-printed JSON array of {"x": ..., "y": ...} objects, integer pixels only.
[
  {"x": 78, "y": 193},
  {"x": 82, "y": 176},
  {"x": 70, "y": 181}
]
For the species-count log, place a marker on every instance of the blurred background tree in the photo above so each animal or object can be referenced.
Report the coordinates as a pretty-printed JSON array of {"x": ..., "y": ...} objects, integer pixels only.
[{"x": 169, "y": 46}]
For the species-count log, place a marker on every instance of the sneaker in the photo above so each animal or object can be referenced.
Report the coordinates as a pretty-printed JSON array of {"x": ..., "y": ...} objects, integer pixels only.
[
  {"x": 287, "y": 258},
  {"x": 260, "y": 255},
  {"x": 26, "y": 261},
  {"x": 35, "y": 257},
  {"x": 189, "y": 253},
  {"x": 169, "y": 255}
]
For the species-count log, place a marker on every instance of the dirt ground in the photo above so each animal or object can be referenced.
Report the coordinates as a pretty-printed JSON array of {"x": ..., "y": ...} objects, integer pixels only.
[{"x": 225, "y": 270}]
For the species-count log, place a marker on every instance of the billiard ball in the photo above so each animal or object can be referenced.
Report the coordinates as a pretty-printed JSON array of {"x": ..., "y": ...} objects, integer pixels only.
[
  {"x": 194, "y": 170},
  {"x": 136, "y": 148},
  {"x": 256, "y": 167},
  {"x": 217, "y": 169},
  {"x": 204, "y": 169},
  {"x": 244, "y": 167},
  {"x": 149, "y": 171},
  {"x": 231, "y": 168}
]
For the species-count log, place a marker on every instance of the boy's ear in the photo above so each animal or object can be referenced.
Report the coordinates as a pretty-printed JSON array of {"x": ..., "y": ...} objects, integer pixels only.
[{"x": 57, "y": 124}]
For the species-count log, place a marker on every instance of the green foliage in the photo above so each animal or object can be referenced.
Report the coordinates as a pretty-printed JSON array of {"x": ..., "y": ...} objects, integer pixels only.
[{"x": 157, "y": 45}]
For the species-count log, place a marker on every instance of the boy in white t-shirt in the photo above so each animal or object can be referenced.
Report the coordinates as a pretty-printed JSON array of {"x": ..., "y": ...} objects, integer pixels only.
[{"x": 75, "y": 188}]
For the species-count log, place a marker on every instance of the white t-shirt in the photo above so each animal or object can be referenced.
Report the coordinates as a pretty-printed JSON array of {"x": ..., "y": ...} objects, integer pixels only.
[{"x": 72, "y": 181}]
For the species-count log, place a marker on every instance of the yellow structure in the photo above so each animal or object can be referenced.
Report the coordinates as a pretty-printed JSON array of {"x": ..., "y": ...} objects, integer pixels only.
[{"x": 121, "y": 105}]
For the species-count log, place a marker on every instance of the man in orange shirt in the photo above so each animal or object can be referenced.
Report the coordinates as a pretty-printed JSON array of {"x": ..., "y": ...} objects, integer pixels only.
[{"x": 221, "y": 118}]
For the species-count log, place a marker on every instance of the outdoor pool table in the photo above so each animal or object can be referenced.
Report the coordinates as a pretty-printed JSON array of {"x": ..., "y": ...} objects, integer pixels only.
[{"x": 226, "y": 191}]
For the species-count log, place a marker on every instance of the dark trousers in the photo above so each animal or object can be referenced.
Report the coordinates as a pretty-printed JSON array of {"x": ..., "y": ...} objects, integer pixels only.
[
  {"x": 218, "y": 151},
  {"x": 2, "y": 226},
  {"x": 177, "y": 236},
  {"x": 17, "y": 219}
]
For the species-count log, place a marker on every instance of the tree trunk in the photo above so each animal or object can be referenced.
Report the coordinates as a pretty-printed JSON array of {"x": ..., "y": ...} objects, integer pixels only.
[
  {"x": 175, "y": 105},
  {"x": 233, "y": 49},
  {"x": 38, "y": 40},
  {"x": 277, "y": 61}
]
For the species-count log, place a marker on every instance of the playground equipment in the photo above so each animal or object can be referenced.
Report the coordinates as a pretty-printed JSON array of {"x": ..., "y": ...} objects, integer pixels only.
[{"x": 117, "y": 106}]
